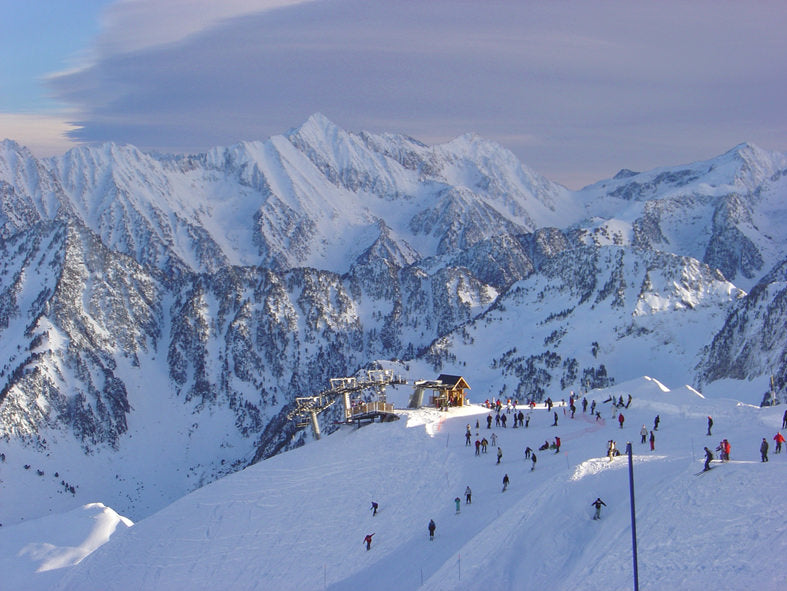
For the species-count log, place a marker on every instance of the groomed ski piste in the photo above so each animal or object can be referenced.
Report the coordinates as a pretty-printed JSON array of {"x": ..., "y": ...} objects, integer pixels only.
[{"x": 297, "y": 521}]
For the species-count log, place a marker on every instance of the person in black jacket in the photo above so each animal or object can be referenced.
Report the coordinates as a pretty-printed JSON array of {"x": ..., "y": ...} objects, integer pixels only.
[
  {"x": 764, "y": 450},
  {"x": 597, "y": 504},
  {"x": 432, "y": 527},
  {"x": 708, "y": 458}
]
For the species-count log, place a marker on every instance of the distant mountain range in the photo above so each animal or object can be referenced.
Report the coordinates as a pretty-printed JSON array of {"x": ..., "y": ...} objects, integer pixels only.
[{"x": 160, "y": 313}]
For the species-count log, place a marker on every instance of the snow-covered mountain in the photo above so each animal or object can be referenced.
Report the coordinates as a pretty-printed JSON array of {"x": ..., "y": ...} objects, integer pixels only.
[
  {"x": 160, "y": 313},
  {"x": 298, "y": 520}
]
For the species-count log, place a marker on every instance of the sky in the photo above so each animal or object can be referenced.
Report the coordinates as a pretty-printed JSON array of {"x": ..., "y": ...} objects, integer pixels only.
[{"x": 577, "y": 90}]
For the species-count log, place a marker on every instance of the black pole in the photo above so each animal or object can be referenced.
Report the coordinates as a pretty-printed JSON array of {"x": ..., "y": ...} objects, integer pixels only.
[{"x": 633, "y": 516}]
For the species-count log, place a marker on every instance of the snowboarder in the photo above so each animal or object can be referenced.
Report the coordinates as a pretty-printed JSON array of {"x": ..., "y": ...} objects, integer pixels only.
[
  {"x": 597, "y": 504},
  {"x": 779, "y": 439},
  {"x": 505, "y": 482},
  {"x": 457, "y": 500},
  {"x": 545, "y": 446},
  {"x": 432, "y": 527},
  {"x": 708, "y": 458},
  {"x": 368, "y": 541},
  {"x": 534, "y": 460},
  {"x": 710, "y": 424},
  {"x": 555, "y": 423},
  {"x": 373, "y": 508},
  {"x": 656, "y": 422},
  {"x": 499, "y": 455},
  {"x": 764, "y": 450},
  {"x": 621, "y": 419},
  {"x": 557, "y": 444},
  {"x": 643, "y": 433},
  {"x": 628, "y": 402},
  {"x": 468, "y": 496}
]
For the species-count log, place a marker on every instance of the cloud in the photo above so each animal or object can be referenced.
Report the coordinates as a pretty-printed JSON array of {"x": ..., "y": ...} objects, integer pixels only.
[
  {"x": 134, "y": 25},
  {"x": 576, "y": 89}
]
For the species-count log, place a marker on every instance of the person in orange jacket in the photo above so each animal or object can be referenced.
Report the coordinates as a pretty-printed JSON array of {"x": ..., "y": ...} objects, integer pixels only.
[{"x": 779, "y": 439}]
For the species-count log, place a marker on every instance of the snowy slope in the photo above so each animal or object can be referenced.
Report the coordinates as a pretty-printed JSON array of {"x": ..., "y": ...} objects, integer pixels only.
[{"x": 297, "y": 521}]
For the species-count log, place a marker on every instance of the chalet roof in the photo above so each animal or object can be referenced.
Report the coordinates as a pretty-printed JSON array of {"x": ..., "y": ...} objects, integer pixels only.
[{"x": 454, "y": 381}]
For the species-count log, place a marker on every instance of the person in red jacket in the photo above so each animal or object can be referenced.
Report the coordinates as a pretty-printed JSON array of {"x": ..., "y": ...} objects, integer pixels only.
[
  {"x": 779, "y": 439},
  {"x": 621, "y": 419},
  {"x": 368, "y": 541}
]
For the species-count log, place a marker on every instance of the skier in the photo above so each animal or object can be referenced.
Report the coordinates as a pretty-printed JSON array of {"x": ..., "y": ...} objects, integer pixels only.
[
  {"x": 484, "y": 443},
  {"x": 779, "y": 439},
  {"x": 557, "y": 444},
  {"x": 457, "y": 500},
  {"x": 593, "y": 407},
  {"x": 493, "y": 439},
  {"x": 764, "y": 450},
  {"x": 610, "y": 449},
  {"x": 710, "y": 424},
  {"x": 555, "y": 423},
  {"x": 534, "y": 460},
  {"x": 477, "y": 447},
  {"x": 467, "y": 436},
  {"x": 597, "y": 504},
  {"x": 652, "y": 441},
  {"x": 708, "y": 458},
  {"x": 489, "y": 421},
  {"x": 521, "y": 417},
  {"x": 726, "y": 445},
  {"x": 585, "y": 404},
  {"x": 628, "y": 402},
  {"x": 503, "y": 420},
  {"x": 374, "y": 508},
  {"x": 499, "y": 455},
  {"x": 368, "y": 541},
  {"x": 432, "y": 527},
  {"x": 468, "y": 496},
  {"x": 545, "y": 446},
  {"x": 784, "y": 420},
  {"x": 527, "y": 452},
  {"x": 643, "y": 433},
  {"x": 621, "y": 419},
  {"x": 527, "y": 421},
  {"x": 505, "y": 482},
  {"x": 656, "y": 422}
]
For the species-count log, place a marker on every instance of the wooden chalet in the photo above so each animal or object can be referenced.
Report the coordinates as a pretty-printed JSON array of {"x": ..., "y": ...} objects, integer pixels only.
[{"x": 452, "y": 393}]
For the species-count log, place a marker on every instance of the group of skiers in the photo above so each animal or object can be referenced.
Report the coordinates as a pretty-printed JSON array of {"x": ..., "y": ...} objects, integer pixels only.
[{"x": 522, "y": 420}]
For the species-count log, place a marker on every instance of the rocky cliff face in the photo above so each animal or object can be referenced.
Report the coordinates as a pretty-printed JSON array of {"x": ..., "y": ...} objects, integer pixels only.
[{"x": 181, "y": 303}]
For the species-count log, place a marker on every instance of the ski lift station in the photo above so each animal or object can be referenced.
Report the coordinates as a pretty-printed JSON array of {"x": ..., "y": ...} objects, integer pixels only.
[{"x": 446, "y": 390}]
